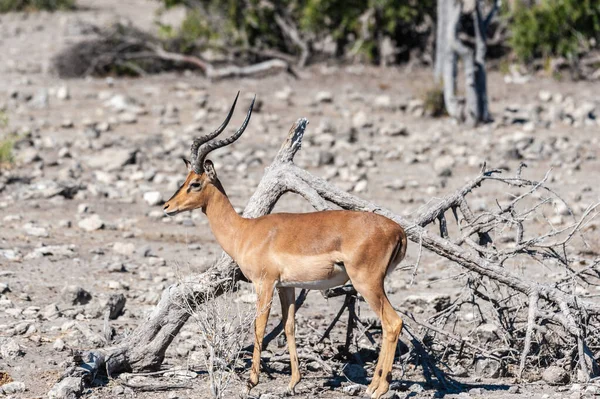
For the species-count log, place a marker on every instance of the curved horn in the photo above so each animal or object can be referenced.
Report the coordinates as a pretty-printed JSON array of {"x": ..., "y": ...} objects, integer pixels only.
[
  {"x": 205, "y": 149},
  {"x": 203, "y": 139}
]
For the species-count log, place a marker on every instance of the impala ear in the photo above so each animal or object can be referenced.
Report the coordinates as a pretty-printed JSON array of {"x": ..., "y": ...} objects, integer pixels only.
[
  {"x": 187, "y": 163},
  {"x": 209, "y": 169}
]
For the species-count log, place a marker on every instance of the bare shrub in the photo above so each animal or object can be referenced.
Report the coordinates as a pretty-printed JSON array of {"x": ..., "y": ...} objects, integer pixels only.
[{"x": 224, "y": 323}]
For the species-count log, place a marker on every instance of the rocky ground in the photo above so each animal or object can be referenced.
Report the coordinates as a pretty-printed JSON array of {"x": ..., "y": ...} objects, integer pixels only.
[{"x": 82, "y": 230}]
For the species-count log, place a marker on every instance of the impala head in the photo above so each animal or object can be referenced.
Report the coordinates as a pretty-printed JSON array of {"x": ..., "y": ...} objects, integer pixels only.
[{"x": 201, "y": 172}]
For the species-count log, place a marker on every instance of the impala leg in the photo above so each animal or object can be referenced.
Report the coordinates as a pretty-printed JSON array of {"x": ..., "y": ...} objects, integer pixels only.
[
  {"x": 288, "y": 314},
  {"x": 391, "y": 325},
  {"x": 264, "y": 291}
]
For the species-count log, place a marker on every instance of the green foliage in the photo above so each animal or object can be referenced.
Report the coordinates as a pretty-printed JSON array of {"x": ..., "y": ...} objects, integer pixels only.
[
  {"x": 356, "y": 24},
  {"x": 433, "y": 102},
  {"x": 6, "y": 144},
  {"x": 35, "y": 5},
  {"x": 555, "y": 28}
]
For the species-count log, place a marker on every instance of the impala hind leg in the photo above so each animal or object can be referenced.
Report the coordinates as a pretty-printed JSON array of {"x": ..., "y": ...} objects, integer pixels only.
[
  {"x": 264, "y": 292},
  {"x": 391, "y": 325},
  {"x": 288, "y": 315}
]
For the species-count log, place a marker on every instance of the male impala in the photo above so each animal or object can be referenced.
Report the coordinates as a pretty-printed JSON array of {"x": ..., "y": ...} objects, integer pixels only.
[{"x": 316, "y": 250}]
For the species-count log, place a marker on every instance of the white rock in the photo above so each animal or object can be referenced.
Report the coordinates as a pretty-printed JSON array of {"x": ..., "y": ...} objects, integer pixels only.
[
  {"x": 35, "y": 231},
  {"x": 545, "y": 96},
  {"x": 153, "y": 198},
  {"x": 324, "y": 97},
  {"x": 91, "y": 223},
  {"x": 200, "y": 115},
  {"x": 361, "y": 186},
  {"x": 128, "y": 117},
  {"x": 12, "y": 388},
  {"x": 394, "y": 129},
  {"x": 124, "y": 248},
  {"x": 361, "y": 120},
  {"x": 63, "y": 93},
  {"x": 10, "y": 349},
  {"x": 69, "y": 387},
  {"x": 443, "y": 162}
]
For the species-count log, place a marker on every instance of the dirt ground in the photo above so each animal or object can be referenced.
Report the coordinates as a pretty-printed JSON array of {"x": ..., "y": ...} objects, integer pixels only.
[{"x": 99, "y": 149}]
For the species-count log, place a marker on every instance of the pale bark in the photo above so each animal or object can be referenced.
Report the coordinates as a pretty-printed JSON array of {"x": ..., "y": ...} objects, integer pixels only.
[{"x": 449, "y": 48}]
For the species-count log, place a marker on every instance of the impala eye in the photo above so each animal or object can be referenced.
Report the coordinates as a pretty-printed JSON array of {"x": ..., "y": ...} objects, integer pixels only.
[{"x": 195, "y": 185}]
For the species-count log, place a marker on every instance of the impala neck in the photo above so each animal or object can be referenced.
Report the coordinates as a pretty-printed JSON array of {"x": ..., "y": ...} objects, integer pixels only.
[{"x": 224, "y": 221}]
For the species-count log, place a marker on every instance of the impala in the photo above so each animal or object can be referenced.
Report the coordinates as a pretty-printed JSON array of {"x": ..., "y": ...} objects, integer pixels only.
[{"x": 317, "y": 250}]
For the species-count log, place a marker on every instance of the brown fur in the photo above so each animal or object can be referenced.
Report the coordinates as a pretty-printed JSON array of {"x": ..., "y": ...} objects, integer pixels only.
[{"x": 318, "y": 250}]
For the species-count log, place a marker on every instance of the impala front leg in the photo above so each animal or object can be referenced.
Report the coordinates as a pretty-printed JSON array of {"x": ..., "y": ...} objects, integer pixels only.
[
  {"x": 264, "y": 291},
  {"x": 288, "y": 315}
]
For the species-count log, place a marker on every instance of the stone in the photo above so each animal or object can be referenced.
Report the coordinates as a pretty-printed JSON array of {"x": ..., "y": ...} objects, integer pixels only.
[
  {"x": 111, "y": 159},
  {"x": 443, "y": 162},
  {"x": 59, "y": 345},
  {"x": 51, "y": 312},
  {"x": 555, "y": 375},
  {"x": 12, "y": 388},
  {"x": 439, "y": 301},
  {"x": 416, "y": 107},
  {"x": 10, "y": 349},
  {"x": 91, "y": 223},
  {"x": 545, "y": 96},
  {"x": 383, "y": 102},
  {"x": 127, "y": 117},
  {"x": 585, "y": 110},
  {"x": 75, "y": 295},
  {"x": 35, "y": 231},
  {"x": 361, "y": 186},
  {"x": 115, "y": 305},
  {"x": 488, "y": 368},
  {"x": 394, "y": 129},
  {"x": 324, "y": 97},
  {"x": 153, "y": 198},
  {"x": 68, "y": 388},
  {"x": 326, "y": 158},
  {"x": 361, "y": 120},
  {"x": 353, "y": 390},
  {"x": 124, "y": 248},
  {"x": 28, "y": 155},
  {"x": 63, "y": 93}
]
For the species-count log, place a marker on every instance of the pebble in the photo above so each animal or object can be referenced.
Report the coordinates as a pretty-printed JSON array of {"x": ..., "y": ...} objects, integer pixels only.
[
  {"x": 69, "y": 387},
  {"x": 10, "y": 349},
  {"x": 153, "y": 198},
  {"x": 324, "y": 97},
  {"x": 35, "y": 231},
  {"x": 124, "y": 248},
  {"x": 91, "y": 223},
  {"x": 12, "y": 388},
  {"x": 63, "y": 93},
  {"x": 75, "y": 295},
  {"x": 555, "y": 375}
]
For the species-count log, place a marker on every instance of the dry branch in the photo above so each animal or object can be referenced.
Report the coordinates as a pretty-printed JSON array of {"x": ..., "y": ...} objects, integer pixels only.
[{"x": 144, "y": 349}]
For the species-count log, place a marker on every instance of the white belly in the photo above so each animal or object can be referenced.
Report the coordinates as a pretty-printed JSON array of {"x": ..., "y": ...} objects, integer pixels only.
[{"x": 337, "y": 278}]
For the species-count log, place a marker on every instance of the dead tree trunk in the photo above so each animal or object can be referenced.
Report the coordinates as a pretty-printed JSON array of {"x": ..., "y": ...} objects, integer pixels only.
[
  {"x": 144, "y": 349},
  {"x": 474, "y": 109}
]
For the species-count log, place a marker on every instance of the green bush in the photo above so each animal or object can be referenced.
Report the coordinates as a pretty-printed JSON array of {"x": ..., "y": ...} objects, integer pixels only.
[
  {"x": 252, "y": 23},
  {"x": 555, "y": 28},
  {"x": 35, "y": 5},
  {"x": 433, "y": 102},
  {"x": 6, "y": 144}
]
